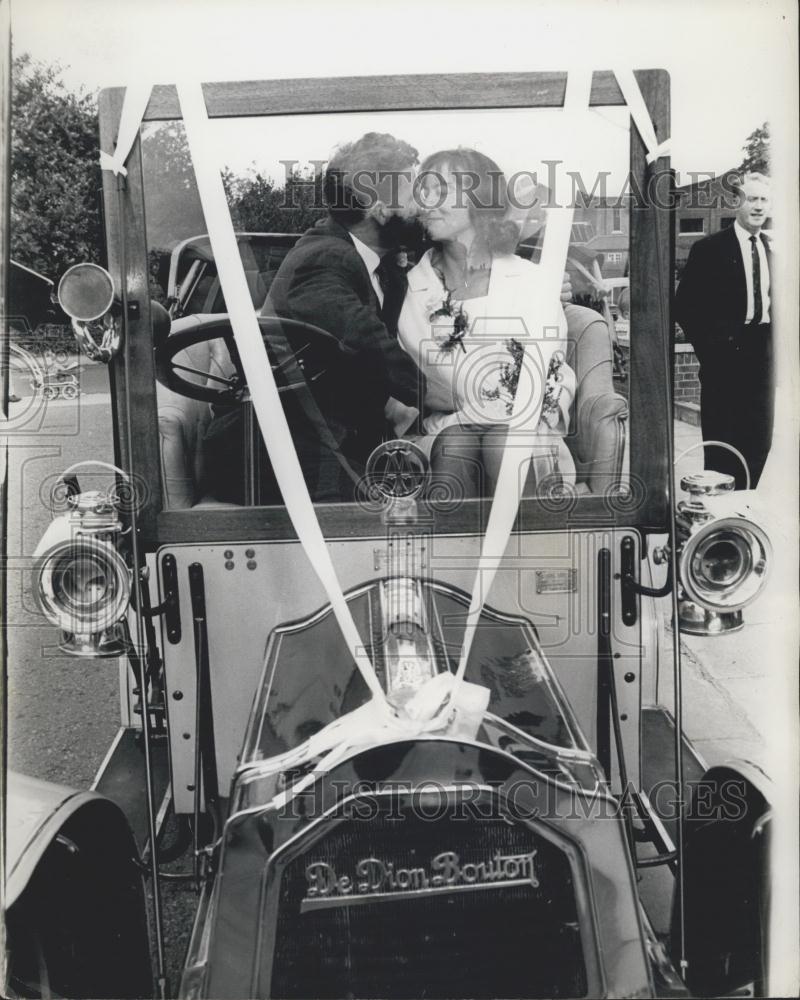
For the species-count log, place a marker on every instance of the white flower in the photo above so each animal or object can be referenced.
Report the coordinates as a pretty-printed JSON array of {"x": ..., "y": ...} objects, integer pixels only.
[{"x": 432, "y": 303}]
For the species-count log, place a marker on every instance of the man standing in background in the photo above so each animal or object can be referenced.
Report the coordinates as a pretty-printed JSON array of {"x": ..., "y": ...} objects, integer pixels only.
[{"x": 723, "y": 305}]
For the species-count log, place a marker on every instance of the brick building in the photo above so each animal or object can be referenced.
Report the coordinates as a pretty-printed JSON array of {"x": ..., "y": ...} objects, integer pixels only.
[
  {"x": 607, "y": 227},
  {"x": 686, "y": 385},
  {"x": 702, "y": 208}
]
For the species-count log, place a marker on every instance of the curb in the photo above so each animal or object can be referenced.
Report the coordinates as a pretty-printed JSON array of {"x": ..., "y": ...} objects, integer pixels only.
[{"x": 689, "y": 413}]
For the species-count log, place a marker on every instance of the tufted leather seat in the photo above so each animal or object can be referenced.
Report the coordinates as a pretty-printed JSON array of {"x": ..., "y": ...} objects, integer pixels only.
[
  {"x": 182, "y": 423},
  {"x": 596, "y": 440}
]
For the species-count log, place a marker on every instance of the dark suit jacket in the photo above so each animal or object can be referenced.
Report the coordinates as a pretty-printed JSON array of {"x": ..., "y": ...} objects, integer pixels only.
[
  {"x": 323, "y": 281},
  {"x": 711, "y": 300}
]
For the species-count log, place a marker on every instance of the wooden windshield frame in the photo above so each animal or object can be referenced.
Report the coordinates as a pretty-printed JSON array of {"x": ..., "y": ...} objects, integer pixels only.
[{"x": 651, "y": 256}]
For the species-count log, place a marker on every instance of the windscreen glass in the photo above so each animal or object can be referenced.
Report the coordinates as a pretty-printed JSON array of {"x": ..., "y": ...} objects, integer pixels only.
[{"x": 393, "y": 260}]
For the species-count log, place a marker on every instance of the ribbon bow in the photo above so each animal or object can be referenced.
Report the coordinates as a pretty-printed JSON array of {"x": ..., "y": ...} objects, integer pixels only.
[{"x": 441, "y": 706}]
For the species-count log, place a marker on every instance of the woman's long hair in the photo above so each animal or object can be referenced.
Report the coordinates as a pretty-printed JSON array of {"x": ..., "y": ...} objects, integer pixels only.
[{"x": 486, "y": 192}]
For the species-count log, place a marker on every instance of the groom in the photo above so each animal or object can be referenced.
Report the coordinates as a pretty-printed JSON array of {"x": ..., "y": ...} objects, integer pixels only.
[{"x": 342, "y": 276}]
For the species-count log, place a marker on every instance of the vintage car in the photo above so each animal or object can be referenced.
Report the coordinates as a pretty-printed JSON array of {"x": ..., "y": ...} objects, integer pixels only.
[
  {"x": 369, "y": 810},
  {"x": 192, "y": 281}
]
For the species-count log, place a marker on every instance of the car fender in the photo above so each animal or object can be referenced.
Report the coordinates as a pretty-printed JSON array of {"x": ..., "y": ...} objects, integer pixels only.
[
  {"x": 75, "y": 888},
  {"x": 35, "y": 813},
  {"x": 746, "y": 769},
  {"x": 726, "y": 882}
]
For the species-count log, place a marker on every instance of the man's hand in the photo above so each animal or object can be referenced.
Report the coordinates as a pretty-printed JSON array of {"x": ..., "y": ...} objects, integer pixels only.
[
  {"x": 566, "y": 289},
  {"x": 399, "y": 416}
]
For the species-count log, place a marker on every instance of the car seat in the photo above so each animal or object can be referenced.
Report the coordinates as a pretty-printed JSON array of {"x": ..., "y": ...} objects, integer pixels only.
[{"x": 596, "y": 439}]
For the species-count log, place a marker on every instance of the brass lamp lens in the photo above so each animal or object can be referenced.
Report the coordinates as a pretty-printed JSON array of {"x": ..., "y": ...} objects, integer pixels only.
[
  {"x": 724, "y": 562},
  {"x": 82, "y": 584}
]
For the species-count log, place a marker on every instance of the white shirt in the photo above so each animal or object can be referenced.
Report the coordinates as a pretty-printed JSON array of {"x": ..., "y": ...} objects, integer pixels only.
[
  {"x": 747, "y": 257},
  {"x": 371, "y": 262}
]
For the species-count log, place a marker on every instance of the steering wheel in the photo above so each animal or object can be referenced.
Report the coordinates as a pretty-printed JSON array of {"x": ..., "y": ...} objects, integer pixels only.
[{"x": 300, "y": 355}]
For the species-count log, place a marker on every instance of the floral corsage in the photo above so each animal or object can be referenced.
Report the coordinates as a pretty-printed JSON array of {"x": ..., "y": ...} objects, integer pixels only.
[
  {"x": 460, "y": 322},
  {"x": 551, "y": 411},
  {"x": 508, "y": 380}
]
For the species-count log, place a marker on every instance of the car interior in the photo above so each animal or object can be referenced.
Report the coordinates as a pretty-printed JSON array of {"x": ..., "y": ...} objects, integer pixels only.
[
  {"x": 598, "y": 432},
  {"x": 596, "y": 437}
]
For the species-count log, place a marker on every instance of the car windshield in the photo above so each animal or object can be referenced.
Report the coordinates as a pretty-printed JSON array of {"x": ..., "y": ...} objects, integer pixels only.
[
  {"x": 358, "y": 362},
  {"x": 309, "y": 681},
  {"x": 193, "y": 283}
]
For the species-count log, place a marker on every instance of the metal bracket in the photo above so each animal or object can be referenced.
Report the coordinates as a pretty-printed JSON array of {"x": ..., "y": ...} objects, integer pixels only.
[
  {"x": 630, "y": 603},
  {"x": 171, "y": 604}
]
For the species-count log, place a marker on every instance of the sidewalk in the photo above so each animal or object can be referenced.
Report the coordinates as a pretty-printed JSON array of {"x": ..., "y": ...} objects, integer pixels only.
[{"x": 686, "y": 436}]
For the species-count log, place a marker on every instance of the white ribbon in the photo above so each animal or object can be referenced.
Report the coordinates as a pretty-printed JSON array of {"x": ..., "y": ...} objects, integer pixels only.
[
  {"x": 640, "y": 114},
  {"x": 446, "y": 704},
  {"x": 367, "y": 726},
  {"x": 376, "y": 721},
  {"x": 257, "y": 369},
  {"x": 522, "y": 433},
  {"x": 134, "y": 105}
]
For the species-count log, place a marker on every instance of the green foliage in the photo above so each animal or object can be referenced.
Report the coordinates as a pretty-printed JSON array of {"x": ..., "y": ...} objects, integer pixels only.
[
  {"x": 756, "y": 151},
  {"x": 173, "y": 210},
  {"x": 259, "y": 205},
  {"x": 56, "y": 182},
  {"x": 55, "y": 172}
]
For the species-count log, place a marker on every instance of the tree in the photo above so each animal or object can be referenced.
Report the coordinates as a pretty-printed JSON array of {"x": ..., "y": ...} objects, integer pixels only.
[
  {"x": 756, "y": 151},
  {"x": 259, "y": 205},
  {"x": 56, "y": 182},
  {"x": 55, "y": 172},
  {"x": 173, "y": 210}
]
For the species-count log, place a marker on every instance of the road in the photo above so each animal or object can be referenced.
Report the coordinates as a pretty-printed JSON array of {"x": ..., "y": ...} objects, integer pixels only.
[{"x": 62, "y": 711}]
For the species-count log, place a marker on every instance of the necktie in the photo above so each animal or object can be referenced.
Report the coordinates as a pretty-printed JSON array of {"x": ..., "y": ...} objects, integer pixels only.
[
  {"x": 394, "y": 283},
  {"x": 757, "y": 304}
]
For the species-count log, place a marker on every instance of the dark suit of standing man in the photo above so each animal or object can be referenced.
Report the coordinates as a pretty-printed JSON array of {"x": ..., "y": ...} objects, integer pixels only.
[{"x": 723, "y": 304}]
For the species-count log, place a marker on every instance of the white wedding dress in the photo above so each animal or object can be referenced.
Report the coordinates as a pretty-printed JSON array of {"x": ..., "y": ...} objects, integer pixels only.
[{"x": 474, "y": 379}]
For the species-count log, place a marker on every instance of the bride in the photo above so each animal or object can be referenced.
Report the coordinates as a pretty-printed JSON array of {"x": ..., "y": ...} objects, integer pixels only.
[{"x": 470, "y": 305}]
